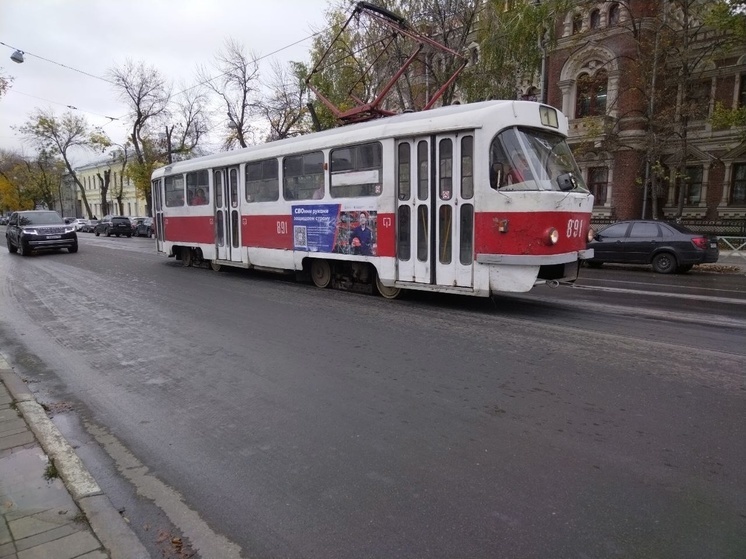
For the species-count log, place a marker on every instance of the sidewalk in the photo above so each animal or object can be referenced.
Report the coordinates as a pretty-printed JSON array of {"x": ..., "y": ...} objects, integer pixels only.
[{"x": 51, "y": 506}]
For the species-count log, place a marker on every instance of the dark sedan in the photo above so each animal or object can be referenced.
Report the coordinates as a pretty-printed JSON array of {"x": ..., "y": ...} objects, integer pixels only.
[
  {"x": 37, "y": 230},
  {"x": 668, "y": 247}
]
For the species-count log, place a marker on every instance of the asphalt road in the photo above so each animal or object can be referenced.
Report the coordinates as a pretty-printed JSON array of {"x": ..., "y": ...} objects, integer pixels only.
[{"x": 258, "y": 417}]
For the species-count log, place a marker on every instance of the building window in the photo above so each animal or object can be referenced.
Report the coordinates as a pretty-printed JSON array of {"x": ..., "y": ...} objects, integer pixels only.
[
  {"x": 738, "y": 188},
  {"x": 742, "y": 92},
  {"x": 577, "y": 23},
  {"x": 691, "y": 182},
  {"x": 700, "y": 100},
  {"x": 598, "y": 181},
  {"x": 595, "y": 19},
  {"x": 591, "y": 94},
  {"x": 614, "y": 15}
]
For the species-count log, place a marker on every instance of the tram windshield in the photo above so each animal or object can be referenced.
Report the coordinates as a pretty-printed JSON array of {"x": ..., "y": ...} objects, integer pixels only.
[{"x": 530, "y": 159}]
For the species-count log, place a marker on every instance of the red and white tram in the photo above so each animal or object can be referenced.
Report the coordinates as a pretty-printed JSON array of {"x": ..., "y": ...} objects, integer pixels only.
[{"x": 473, "y": 199}]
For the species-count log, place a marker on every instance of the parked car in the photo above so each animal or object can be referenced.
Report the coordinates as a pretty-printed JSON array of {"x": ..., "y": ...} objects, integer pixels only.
[
  {"x": 78, "y": 223},
  {"x": 88, "y": 225},
  {"x": 28, "y": 231},
  {"x": 143, "y": 227},
  {"x": 3, "y": 220},
  {"x": 118, "y": 225},
  {"x": 668, "y": 247}
]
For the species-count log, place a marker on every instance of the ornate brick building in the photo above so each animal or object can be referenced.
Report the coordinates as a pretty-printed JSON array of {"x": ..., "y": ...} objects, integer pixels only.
[{"x": 593, "y": 75}]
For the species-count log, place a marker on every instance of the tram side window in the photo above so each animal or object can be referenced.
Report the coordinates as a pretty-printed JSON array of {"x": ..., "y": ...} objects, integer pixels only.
[
  {"x": 467, "y": 167},
  {"x": 356, "y": 171},
  {"x": 262, "y": 181},
  {"x": 174, "y": 186},
  {"x": 303, "y": 176},
  {"x": 403, "y": 171},
  {"x": 445, "y": 160},
  {"x": 198, "y": 188}
]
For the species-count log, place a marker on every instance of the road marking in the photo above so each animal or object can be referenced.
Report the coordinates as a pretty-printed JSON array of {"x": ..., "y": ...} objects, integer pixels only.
[{"x": 662, "y": 294}]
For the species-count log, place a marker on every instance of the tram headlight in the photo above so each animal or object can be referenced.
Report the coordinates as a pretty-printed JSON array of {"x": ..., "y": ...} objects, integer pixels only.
[
  {"x": 591, "y": 234},
  {"x": 551, "y": 236}
]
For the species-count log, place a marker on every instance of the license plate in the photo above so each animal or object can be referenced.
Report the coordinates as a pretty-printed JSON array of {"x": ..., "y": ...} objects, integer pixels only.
[
  {"x": 54, "y": 236},
  {"x": 713, "y": 245}
]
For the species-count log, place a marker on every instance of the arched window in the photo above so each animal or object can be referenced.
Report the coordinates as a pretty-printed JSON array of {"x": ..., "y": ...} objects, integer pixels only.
[
  {"x": 577, "y": 23},
  {"x": 591, "y": 94},
  {"x": 595, "y": 19},
  {"x": 614, "y": 15}
]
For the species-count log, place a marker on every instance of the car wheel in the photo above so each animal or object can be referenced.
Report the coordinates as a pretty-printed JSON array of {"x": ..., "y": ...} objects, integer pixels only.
[
  {"x": 23, "y": 250},
  {"x": 73, "y": 248},
  {"x": 129, "y": 236},
  {"x": 684, "y": 269},
  {"x": 664, "y": 263},
  {"x": 11, "y": 247},
  {"x": 150, "y": 234},
  {"x": 97, "y": 233}
]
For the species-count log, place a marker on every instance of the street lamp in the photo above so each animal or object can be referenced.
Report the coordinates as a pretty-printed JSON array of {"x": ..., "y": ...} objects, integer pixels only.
[{"x": 17, "y": 57}]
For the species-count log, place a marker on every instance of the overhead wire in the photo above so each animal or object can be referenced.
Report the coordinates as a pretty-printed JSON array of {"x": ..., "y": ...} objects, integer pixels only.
[{"x": 111, "y": 119}]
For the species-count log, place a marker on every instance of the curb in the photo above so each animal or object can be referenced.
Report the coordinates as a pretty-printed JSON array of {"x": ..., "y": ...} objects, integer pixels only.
[{"x": 105, "y": 521}]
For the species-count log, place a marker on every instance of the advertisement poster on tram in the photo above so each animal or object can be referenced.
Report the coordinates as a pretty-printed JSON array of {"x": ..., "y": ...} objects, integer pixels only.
[{"x": 328, "y": 228}]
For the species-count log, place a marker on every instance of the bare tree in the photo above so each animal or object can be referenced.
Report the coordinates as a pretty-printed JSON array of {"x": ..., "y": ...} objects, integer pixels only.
[
  {"x": 58, "y": 137},
  {"x": 147, "y": 94},
  {"x": 189, "y": 123},
  {"x": 284, "y": 107},
  {"x": 237, "y": 85},
  {"x": 121, "y": 157}
]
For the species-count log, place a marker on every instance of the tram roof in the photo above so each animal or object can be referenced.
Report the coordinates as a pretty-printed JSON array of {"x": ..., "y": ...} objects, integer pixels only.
[{"x": 438, "y": 120}]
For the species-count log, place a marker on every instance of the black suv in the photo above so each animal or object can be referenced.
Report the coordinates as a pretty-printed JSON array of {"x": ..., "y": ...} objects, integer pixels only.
[
  {"x": 37, "y": 230},
  {"x": 114, "y": 225}
]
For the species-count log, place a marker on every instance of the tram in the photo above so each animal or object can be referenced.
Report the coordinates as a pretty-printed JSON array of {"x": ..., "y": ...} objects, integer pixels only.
[{"x": 474, "y": 199}]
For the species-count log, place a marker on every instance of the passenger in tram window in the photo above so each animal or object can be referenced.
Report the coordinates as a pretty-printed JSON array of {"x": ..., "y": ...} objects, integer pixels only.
[
  {"x": 199, "y": 198},
  {"x": 361, "y": 237}
]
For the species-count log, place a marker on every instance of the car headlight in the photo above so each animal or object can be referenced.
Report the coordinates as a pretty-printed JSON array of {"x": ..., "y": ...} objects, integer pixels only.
[
  {"x": 30, "y": 232},
  {"x": 591, "y": 234},
  {"x": 70, "y": 229}
]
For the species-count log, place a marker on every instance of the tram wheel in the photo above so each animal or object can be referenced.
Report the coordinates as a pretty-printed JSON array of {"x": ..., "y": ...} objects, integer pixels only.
[
  {"x": 321, "y": 273},
  {"x": 215, "y": 266},
  {"x": 385, "y": 291},
  {"x": 186, "y": 257}
]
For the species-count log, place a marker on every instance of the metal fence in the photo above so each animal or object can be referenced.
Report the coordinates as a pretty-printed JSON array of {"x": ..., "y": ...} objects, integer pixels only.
[
  {"x": 731, "y": 233},
  {"x": 719, "y": 227}
]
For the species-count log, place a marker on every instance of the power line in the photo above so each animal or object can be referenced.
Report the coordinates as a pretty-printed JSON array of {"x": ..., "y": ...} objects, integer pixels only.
[
  {"x": 62, "y": 104},
  {"x": 111, "y": 119},
  {"x": 59, "y": 64}
]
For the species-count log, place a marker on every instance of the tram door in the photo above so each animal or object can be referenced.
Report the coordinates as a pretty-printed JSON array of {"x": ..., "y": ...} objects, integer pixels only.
[
  {"x": 227, "y": 215},
  {"x": 435, "y": 210},
  {"x": 413, "y": 210},
  {"x": 453, "y": 217},
  {"x": 156, "y": 197}
]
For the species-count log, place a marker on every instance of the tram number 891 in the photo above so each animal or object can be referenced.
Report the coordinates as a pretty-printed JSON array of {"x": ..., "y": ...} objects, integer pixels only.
[{"x": 575, "y": 228}]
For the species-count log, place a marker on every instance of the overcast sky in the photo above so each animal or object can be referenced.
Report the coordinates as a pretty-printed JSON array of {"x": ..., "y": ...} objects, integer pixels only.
[{"x": 92, "y": 36}]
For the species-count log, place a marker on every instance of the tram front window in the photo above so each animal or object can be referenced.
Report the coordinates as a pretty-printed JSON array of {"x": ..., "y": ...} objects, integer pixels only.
[{"x": 528, "y": 159}]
